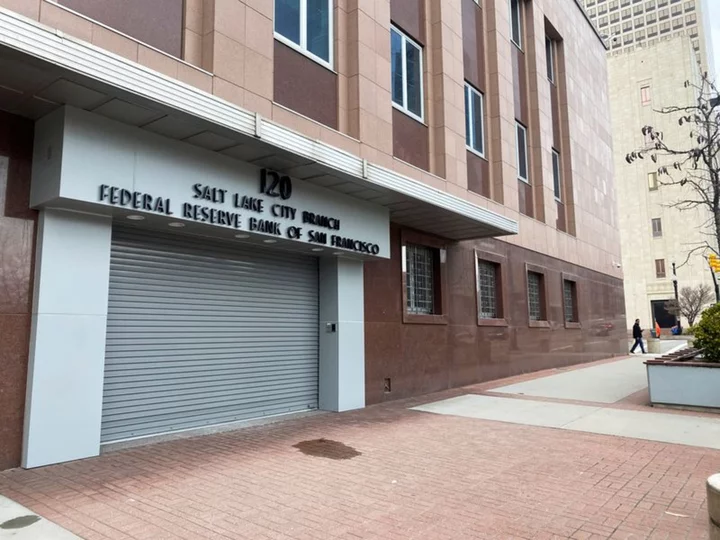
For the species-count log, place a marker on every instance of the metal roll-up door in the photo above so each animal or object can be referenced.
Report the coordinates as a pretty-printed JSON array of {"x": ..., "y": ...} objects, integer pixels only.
[{"x": 202, "y": 332}]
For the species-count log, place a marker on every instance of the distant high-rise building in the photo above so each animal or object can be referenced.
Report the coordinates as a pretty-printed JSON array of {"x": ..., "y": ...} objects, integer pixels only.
[{"x": 627, "y": 24}]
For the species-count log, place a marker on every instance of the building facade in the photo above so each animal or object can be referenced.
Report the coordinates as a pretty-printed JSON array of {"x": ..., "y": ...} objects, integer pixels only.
[
  {"x": 223, "y": 210},
  {"x": 654, "y": 233},
  {"x": 633, "y": 24}
]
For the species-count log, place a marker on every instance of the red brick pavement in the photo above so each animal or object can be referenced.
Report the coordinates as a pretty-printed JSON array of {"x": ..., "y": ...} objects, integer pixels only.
[{"x": 419, "y": 476}]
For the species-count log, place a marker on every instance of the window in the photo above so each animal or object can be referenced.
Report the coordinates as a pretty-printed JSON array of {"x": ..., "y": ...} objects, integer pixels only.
[
  {"x": 420, "y": 279},
  {"x": 659, "y": 268},
  {"x": 407, "y": 74},
  {"x": 489, "y": 303},
  {"x": 474, "y": 120},
  {"x": 690, "y": 6},
  {"x": 652, "y": 181},
  {"x": 535, "y": 296},
  {"x": 657, "y": 227},
  {"x": 570, "y": 301},
  {"x": 516, "y": 22},
  {"x": 522, "y": 152},
  {"x": 306, "y": 25},
  {"x": 645, "y": 97},
  {"x": 550, "y": 58},
  {"x": 557, "y": 179}
]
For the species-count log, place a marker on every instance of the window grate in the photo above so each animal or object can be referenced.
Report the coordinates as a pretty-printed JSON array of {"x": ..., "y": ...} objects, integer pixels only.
[
  {"x": 534, "y": 296},
  {"x": 569, "y": 300},
  {"x": 420, "y": 279},
  {"x": 487, "y": 290}
]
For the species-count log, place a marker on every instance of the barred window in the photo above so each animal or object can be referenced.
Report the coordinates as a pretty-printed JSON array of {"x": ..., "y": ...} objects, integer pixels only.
[
  {"x": 570, "y": 300},
  {"x": 487, "y": 290},
  {"x": 420, "y": 279},
  {"x": 535, "y": 296}
]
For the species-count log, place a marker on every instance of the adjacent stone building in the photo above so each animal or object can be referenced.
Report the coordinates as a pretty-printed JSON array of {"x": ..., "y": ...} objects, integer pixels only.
[
  {"x": 654, "y": 233},
  {"x": 631, "y": 24}
]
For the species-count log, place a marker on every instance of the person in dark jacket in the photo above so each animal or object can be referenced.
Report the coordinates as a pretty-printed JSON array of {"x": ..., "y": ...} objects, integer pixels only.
[{"x": 637, "y": 336}]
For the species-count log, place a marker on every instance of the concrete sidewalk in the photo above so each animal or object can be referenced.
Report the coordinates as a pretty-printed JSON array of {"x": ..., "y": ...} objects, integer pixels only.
[{"x": 19, "y": 523}]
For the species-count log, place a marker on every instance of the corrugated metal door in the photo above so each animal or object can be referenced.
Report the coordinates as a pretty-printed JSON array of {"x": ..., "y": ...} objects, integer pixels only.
[{"x": 203, "y": 332}]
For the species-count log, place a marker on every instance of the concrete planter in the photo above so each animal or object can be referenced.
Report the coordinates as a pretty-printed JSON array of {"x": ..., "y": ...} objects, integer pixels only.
[
  {"x": 713, "y": 504},
  {"x": 684, "y": 384},
  {"x": 653, "y": 346}
]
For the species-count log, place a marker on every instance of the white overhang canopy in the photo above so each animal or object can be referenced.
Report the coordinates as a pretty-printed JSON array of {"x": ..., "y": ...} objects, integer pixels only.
[{"x": 41, "y": 69}]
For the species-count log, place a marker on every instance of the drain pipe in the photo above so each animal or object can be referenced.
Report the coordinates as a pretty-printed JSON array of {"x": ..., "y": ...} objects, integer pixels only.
[{"x": 713, "y": 504}]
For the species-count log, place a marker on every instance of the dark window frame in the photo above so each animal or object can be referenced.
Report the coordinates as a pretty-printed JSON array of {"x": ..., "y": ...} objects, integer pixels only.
[
  {"x": 660, "y": 271},
  {"x": 440, "y": 288},
  {"x": 657, "y": 232},
  {"x": 544, "y": 321},
  {"x": 501, "y": 293},
  {"x": 575, "y": 323}
]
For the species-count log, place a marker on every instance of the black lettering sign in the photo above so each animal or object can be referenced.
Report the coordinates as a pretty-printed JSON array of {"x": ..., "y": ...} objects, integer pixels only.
[
  {"x": 265, "y": 226},
  {"x": 274, "y": 185},
  {"x": 294, "y": 233},
  {"x": 248, "y": 203},
  {"x": 134, "y": 199},
  {"x": 354, "y": 245},
  {"x": 208, "y": 193},
  {"x": 321, "y": 221},
  {"x": 315, "y": 237}
]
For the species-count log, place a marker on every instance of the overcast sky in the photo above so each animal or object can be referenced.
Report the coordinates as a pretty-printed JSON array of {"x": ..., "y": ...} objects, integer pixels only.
[{"x": 715, "y": 23}]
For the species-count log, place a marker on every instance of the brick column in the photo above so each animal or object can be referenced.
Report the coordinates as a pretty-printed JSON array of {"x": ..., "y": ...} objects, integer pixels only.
[{"x": 713, "y": 499}]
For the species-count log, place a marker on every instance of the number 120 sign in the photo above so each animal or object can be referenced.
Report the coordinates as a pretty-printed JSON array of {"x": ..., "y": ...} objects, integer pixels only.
[{"x": 274, "y": 185}]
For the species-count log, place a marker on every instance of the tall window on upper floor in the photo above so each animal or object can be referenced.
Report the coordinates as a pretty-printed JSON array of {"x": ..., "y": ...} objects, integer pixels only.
[
  {"x": 474, "y": 121},
  {"x": 557, "y": 179},
  {"x": 521, "y": 147},
  {"x": 306, "y": 25},
  {"x": 550, "y": 59},
  {"x": 407, "y": 74},
  {"x": 516, "y": 22}
]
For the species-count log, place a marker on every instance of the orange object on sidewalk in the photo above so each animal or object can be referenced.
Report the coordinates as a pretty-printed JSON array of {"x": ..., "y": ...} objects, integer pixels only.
[{"x": 657, "y": 329}]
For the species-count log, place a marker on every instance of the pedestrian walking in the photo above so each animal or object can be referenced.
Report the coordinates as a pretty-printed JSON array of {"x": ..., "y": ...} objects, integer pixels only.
[{"x": 637, "y": 336}]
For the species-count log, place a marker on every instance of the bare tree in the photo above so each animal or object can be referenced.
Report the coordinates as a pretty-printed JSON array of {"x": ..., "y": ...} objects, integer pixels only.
[
  {"x": 695, "y": 165},
  {"x": 691, "y": 301}
]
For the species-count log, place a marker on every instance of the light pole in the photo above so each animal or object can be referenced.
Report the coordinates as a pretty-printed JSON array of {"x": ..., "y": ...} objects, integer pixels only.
[{"x": 677, "y": 302}]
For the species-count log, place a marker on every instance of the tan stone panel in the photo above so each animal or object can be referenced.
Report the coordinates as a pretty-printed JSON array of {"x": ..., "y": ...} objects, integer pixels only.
[
  {"x": 259, "y": 33},
  {"x": 228, "y": 59},
  {"x": 194, "y": 15},
  {"x": 195, "y": 77},
  {"x": 114, "y": 42},
  {"x": 57, "y": 17},
  {"x": 157, "y": 61},
  {"x": 28, "y": 8},
  {"x": 193, "y": 48},
  {"x": 258, "y": 104},
  {"x": 258, "y": 74},
  {"x": 228, "y": 91},
  {"x": 230, "y": 19}
]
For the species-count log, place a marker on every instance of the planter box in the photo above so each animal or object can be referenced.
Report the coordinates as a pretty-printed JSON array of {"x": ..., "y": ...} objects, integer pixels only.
[
  {"x": 688, "y": 384},
  {"x": 654, "y": 346}
]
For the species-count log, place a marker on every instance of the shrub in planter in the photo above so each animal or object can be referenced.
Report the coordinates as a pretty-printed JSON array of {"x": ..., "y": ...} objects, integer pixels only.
[{"x": 707, "y": 333}]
